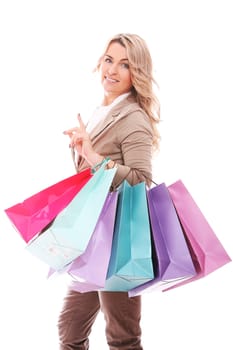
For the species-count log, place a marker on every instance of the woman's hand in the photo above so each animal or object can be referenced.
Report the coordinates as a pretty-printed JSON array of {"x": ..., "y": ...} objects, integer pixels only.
[{"x": 80, "y": 139}]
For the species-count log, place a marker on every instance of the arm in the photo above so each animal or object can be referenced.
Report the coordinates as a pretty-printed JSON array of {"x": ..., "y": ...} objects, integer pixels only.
[{"x": 135, "y": 136}]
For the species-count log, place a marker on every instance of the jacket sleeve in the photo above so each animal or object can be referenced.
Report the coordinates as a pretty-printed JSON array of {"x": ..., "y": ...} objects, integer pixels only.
[{"x": 135, "y": 137}]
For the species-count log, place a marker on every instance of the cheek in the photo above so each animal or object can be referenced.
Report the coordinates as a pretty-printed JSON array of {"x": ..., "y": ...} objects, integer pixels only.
[
  {"x": 127, "y": 79},
  {"x": 102, "y": 74},
  {"x": 102, "y": 70}
]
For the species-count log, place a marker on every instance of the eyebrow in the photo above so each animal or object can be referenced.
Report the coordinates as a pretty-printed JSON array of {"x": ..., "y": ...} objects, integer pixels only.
[{"x": 123, "y": 59}]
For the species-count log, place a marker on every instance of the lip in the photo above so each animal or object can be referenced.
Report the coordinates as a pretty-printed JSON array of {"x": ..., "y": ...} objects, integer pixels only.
[{"x": 110, "y": 80}]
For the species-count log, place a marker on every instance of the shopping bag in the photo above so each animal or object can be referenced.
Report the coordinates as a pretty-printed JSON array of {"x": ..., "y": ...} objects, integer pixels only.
[
  {"x": 36, "y": 212},
  {"x": 207, "y": 251},
  {"x": 131, "y": 256},
  {"x": 172, "y": 258},
  {"x": 68, "y": 235},
  {"x": 89, "y": 270}
]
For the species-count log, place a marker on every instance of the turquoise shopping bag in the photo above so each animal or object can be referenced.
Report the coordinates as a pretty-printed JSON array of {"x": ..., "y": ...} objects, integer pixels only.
[
  {"x": 68, "y": 235},
  {"x": 131, "y": 255}
]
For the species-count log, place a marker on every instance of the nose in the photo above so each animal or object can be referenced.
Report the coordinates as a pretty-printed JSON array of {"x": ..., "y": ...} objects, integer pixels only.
[{"x": 112, "y": 69}]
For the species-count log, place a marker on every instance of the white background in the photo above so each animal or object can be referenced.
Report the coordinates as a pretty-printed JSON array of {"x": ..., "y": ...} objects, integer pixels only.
[{"x": 48, "y": 49}]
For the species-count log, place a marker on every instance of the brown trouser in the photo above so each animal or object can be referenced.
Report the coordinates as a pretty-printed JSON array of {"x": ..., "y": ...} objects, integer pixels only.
[{"x": 122, "y": 315}]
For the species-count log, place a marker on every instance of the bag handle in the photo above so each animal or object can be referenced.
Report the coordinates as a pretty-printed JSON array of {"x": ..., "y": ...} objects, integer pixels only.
[
  {"x": 104, "y": 162},
  {"x": 119, "y": 183},
  {"x": 148, "y": 178}
]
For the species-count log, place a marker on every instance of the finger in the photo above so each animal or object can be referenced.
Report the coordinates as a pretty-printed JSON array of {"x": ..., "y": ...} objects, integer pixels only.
[
  {"x": 68, "y": 134},
  {"x": 81, "y": 123},
  {"x": 72, "y": 141},
  {"x": 70, "y": 131},
  {"x": 75, "y": 140}
]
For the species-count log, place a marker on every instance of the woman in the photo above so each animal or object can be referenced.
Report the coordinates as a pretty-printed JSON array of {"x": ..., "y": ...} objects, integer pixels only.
[{"x": 124, "y": 129}]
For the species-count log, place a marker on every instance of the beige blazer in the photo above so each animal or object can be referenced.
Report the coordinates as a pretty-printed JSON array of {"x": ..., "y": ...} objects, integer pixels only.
[{"x": 125, "y": 135}]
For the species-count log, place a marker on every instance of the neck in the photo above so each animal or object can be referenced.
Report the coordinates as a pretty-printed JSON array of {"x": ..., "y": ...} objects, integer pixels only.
[{"x": 108, "y": 99}]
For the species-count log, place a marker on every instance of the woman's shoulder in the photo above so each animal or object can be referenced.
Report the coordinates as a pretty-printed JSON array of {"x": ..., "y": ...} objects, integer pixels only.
[
  {"x": 129, "y": 107},
  {"x": 132, "y": 118}
]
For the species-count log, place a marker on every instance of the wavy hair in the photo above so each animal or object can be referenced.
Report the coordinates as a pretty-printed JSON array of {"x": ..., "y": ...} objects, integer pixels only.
[{"x": 141, "y": 70}]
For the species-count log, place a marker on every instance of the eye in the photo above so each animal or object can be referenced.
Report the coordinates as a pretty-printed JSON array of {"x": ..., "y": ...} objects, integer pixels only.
[
  {"x": 125, "y": 65},
  {"x": 107, "y": 59}
]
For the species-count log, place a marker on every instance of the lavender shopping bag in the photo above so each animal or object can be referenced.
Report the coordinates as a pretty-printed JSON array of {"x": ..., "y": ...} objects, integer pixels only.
[
  {"x": 208, "y": 252},
  {"x": 89, "y": 270},
  {"x": 172, "y": 259}
]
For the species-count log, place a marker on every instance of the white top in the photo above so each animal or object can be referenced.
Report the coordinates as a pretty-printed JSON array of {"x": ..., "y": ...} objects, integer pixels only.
[{"x": 101, "y": 111}]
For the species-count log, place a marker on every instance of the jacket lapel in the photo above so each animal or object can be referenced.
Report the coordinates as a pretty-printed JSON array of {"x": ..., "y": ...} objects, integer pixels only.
[
  {"x": 119, "y": 111},
  {"x": 105, "y": 123}
]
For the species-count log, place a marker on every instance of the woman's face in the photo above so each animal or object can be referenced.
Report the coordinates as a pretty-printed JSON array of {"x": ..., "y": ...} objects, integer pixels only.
[{"x": 115, "y": 72}]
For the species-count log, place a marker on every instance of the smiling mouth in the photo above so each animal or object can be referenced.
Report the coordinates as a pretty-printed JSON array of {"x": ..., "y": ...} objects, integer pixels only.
[{"x": 111, "y": 80}]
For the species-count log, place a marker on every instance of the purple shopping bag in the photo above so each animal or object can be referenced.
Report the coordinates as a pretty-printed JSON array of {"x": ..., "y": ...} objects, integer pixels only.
[
  {"x": 172, "y": 258},
  {"x": 89, "y": 270},
  {"x": 207, "y": 251}
]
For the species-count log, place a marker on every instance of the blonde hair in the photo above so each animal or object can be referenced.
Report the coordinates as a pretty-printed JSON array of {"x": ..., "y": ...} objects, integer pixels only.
[{"x": 141, "y": 69}]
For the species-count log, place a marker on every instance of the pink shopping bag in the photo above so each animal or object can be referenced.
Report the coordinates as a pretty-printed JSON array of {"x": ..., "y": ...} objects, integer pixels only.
[
  {"x": 207, "y": 251},
  {"x": 33, "y": 214},
  {"x": 68, "y": 235}
]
